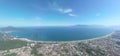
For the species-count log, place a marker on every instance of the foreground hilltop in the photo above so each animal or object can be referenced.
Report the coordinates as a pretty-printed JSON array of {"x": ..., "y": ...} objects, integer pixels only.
[{"x": 108, "y": 45}]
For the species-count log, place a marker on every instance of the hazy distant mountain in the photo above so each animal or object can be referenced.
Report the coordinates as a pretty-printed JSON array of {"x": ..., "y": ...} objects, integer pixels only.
[
  {"x": 10, "y": 28},
  {"x": 89, "y": 26}
]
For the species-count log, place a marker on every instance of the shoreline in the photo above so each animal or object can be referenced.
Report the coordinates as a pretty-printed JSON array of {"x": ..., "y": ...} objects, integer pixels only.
[{"x": 28, "y": 40}]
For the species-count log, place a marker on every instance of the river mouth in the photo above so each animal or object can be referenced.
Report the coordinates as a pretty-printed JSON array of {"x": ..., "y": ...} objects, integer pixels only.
[{"x": 61, "y": 34}]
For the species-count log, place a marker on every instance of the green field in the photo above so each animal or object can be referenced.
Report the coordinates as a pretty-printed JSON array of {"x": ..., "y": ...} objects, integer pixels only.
[{"x": 11, "y": 44}]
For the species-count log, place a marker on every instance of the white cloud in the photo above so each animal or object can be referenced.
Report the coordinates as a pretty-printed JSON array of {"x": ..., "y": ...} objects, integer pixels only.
[
  {"x": 56, "y": 6},
  {"x": 70, "y": 14},
  {"x": 68, "y": 11},
  {"x": 65, "y": 10}
]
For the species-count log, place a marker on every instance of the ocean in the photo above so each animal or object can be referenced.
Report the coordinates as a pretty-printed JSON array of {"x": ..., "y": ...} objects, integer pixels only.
[{"x": 61, "y": 33}]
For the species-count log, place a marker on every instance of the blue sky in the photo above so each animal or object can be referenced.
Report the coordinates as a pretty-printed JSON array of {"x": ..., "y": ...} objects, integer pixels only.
[{"x": 59, "y": 12}]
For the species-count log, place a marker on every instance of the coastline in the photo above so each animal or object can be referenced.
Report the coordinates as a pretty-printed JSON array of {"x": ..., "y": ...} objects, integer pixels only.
[
  {"x": 98, "y": 45},
  {"x": 28, "y": 40}
]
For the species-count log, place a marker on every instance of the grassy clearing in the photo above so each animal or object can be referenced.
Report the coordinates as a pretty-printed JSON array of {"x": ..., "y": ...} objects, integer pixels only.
[{"x": 11, "y": 44}]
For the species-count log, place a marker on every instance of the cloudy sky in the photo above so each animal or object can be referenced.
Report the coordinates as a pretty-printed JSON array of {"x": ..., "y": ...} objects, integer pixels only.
[{"x": 59, "y": 12}]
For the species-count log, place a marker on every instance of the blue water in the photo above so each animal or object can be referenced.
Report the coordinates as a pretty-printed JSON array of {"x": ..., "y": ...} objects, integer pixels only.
[{"x": 61, "y": 33}]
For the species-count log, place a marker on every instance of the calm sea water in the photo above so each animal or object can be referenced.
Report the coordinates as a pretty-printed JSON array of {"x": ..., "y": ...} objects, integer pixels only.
[{"x": 61, "y": 33}]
